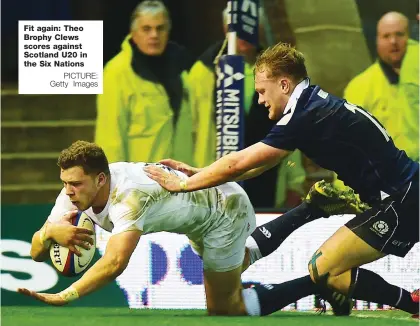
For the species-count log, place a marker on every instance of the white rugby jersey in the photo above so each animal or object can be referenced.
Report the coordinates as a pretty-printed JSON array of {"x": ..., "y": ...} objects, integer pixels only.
[{"x": 137, "y": 202}]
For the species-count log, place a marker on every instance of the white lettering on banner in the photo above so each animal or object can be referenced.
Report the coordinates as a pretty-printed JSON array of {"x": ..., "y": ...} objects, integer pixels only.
[
  {"x": 220, "y": 76},
  {"x": 249, "y": 5},
  {"x": 231, "y": 123},
  {"x": 248, "y": 29},
  {"x": 232, "y": 96},
  {"x": 231, "y": 112},
  {"x": 248, "y": 17},
  {"x": 42, "y": 275},
  {"x": 168, "y": 281},
  {"x": 227, "y": 122},
  {"x": 232, "y": 17},
  {"x": 250, "y": 21}
]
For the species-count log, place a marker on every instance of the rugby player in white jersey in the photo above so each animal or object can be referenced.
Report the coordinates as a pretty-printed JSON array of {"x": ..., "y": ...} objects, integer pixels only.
[{"x": 120, "y": 198}]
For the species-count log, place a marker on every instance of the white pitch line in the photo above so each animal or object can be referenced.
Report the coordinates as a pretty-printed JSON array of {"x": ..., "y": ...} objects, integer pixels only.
[{"x": 358, "y": 315}]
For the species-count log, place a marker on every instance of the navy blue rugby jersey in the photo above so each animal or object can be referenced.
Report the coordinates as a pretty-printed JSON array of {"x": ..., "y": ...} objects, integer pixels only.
[{"x": 346, "y": 139}]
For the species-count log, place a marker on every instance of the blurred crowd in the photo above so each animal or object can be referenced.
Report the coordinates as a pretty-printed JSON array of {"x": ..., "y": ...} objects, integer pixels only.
[{"x": 158, "y": 102}]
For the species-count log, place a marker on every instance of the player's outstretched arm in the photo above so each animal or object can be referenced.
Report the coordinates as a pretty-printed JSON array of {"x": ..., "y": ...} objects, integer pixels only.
[
  {"x": 260, "y": 170},
  {"x": 62, "y": 232},
  {"x": 118, "y": 251},
  {"x": 117, "y": 255},
  {"x": 231, "y": 167},
  {"x": 245, "y": 164}
]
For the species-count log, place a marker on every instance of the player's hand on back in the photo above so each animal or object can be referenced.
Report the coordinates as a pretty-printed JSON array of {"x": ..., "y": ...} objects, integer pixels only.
[
  {"x": 180, "y": 166},
  {"x": 68, "y": 235},
  {"x": 169, "y": 181}
]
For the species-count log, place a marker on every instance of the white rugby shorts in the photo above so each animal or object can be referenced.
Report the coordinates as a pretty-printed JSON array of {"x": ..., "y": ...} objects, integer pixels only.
[{"x": 223, "y": 248}]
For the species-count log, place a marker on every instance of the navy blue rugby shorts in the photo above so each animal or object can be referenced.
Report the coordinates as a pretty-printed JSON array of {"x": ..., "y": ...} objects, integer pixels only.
[{"x": 392, "y": 225}]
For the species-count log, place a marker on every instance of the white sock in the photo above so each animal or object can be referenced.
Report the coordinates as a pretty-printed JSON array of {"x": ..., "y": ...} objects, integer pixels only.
[
  {"x": 254, "y": 251},
  {"x": 252, "y": 304}
]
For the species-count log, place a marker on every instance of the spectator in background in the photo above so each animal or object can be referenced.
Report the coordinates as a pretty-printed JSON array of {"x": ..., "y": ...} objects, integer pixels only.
[
  {"x": 144, "y": 112},
  {"x": 389, "y": 87},
  {"x": 257, "y": 124}
]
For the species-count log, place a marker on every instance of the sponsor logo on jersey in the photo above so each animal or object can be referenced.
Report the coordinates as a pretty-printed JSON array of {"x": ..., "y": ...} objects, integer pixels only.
[
  {"x": 380, "y": 228},
  {"x": 268, "y": 286},
  {"x": 384, "y": 195},
  {"x": 265, "y": 232},
  {"x": 400, "y": 244}
]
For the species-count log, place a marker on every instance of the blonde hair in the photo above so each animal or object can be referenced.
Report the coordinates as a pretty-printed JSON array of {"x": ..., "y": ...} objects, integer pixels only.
[
  {"x": 282, "y": 59},
  {"x": 149, "y": 7},
  {"x": 87, "y": 155}
]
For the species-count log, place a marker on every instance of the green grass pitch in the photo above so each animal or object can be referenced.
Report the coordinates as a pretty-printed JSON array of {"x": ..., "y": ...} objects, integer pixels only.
[{"x": 75, "y": 316}]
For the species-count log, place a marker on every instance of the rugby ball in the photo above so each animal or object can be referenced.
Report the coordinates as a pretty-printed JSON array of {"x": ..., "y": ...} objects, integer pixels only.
[{"x": 67, "y": 262}]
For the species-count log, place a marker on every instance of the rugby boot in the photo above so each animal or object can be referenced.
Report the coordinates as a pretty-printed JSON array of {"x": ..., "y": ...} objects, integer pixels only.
[{"x": 334, "y": 201}]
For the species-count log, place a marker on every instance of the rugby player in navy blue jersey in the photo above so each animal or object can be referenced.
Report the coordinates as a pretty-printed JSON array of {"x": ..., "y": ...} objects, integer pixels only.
[{"x": 341, "y": 137}]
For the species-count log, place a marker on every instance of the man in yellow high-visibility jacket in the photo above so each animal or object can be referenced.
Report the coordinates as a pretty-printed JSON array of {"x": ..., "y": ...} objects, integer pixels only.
[
  {"x": 144, "y": 112},
  {"x": 389, "y": 88}
]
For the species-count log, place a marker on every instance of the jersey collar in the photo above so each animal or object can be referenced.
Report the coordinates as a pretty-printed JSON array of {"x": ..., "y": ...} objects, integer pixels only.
[
  {"x": 291, "y": 103},
  {"x": 297, "y": 92}
]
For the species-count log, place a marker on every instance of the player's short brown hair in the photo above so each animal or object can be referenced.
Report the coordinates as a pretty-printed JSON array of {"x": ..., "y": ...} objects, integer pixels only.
[
  {"x": 282, "y": 60},
  {"x": 87, "y": 155}
]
